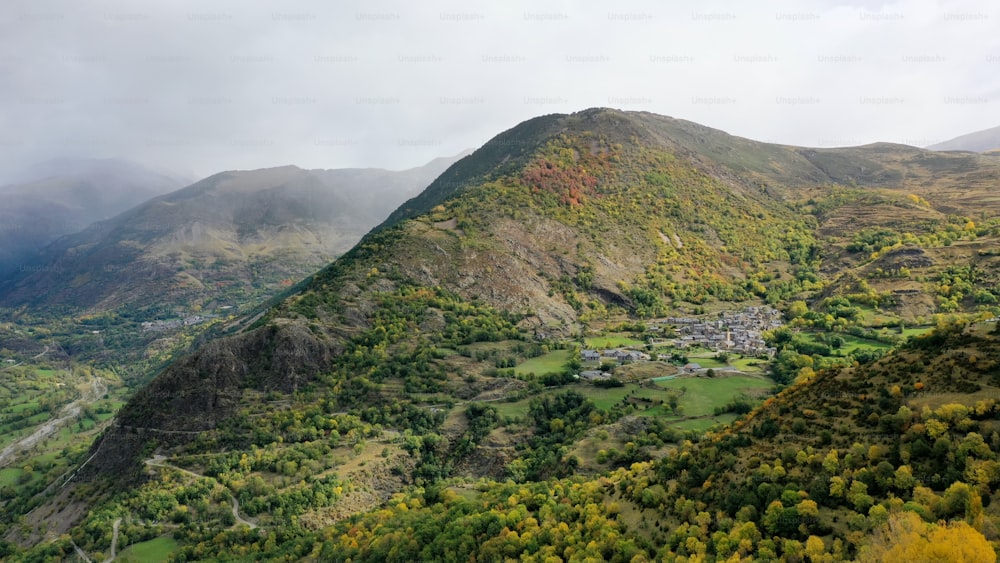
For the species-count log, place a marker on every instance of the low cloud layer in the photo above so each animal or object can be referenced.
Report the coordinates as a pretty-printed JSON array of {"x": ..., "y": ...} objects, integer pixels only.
[{"x": 205, "y": 86}]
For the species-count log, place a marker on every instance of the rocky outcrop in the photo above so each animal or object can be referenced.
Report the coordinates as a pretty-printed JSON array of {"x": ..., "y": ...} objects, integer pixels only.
[{"x": 196, "y": 393}]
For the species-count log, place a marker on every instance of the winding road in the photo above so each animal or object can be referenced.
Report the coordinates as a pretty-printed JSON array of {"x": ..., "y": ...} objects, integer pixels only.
[
  {"x": 160, "y": 461},
  {"x": 114, "y": 541},
  {"x": 236, "y": 514},
  {"x": 114, "y": 545}
]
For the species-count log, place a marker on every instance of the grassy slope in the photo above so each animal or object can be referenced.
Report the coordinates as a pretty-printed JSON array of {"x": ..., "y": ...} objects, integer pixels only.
[{"x": 151, "y": 551}]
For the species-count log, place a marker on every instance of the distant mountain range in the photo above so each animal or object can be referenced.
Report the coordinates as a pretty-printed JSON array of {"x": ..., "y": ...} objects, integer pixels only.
[
  {"x": 986, "y": 140},
  {"x": 226, "y": 237},
  {"x": 57, "y": 197}
]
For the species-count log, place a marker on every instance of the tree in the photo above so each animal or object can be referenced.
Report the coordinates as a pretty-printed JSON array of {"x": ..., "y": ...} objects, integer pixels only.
[
  {"x": 816, "y": 550},
  {"x": 797, "y": 309},
  {"x": 905, "y": 538},
  {"x": 859, "y": 497}
]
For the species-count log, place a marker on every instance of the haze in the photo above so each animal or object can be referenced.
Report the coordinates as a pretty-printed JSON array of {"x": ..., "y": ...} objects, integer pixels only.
[{"x": 206, "y": 86}]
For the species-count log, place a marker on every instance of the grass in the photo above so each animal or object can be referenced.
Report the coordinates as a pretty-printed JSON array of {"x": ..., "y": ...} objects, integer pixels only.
[
  {"x": 702, "y": 395},
  {"x": 744, "y": 364},
  {"x": 603, "y": 398},
  {"x": 7, "y": 438},
  {"x": 607, "y": 398},
  {"x": 21, "y": 407},
  {"x": 491, "y": 346},
  {"x": 706, "y": 362},
  {"x": 917, "y": 331},
  {"x": 156, "y": 549},
  {"x": 612, "y": 341},
  {"x": 10, "y": 476},
  {"x": 703, "y": 424},
  {"x": 553, "y": 362},
  {"x": 853, "y": 343},
  {"x": 645, "y": 370},
  {"x": 511, "y": 409}
]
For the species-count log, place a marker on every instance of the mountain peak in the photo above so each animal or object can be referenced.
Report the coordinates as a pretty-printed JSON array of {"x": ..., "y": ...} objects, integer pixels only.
[{"x": 980, "y": 141}]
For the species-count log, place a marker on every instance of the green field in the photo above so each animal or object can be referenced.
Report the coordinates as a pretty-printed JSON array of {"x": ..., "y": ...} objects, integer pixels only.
[
  {"x": 603, "y": 398},
  {"x": 511, "y": 409},
  {"x": 706, "y": 362},
  {"x": 702, "y": 394},
  {"x": 703, "y": 424},
  {"x": 553, "y": 362},
  {"x": 744, "y": 365},
  {"x": 21, "y": 407},
  {"x": 157, "y": 549},
  {"x": 853, "y": 343},
  {"x": 612, "y": 341},
  {"x": 700, "y": 398},
  {"x": 9, "y": 476},
  {"x": 607, "y": 398}
]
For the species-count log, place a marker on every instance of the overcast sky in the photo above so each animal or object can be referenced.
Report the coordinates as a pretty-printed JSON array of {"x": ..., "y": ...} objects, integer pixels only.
[{"x": 203, "y": 86}]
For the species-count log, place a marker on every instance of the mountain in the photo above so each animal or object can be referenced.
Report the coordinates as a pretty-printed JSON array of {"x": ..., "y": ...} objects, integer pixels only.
[
  {"x": 218, "y": 241},
  {"x": 61, "y": 196},
  {"x": 981, "y": 141},
  {"x": 415, "y": 399}
]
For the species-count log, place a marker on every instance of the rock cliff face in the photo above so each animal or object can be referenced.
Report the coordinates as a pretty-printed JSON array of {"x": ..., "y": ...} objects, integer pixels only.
[{"x": 195, "y": 393}]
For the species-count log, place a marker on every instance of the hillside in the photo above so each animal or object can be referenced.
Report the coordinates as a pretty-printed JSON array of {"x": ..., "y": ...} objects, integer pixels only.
[
  {"x": 222, "y": 241},
  {"x": 864, "y": 463},
  {"x": 395, "y": 380},
  {"x": 62, "y": 196},
  {"x": 979, "y": 141}
]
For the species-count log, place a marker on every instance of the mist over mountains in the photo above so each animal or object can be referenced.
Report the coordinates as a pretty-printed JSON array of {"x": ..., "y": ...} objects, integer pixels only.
[
  {"x": 62, "y": 196},
  {"x": 240, "y": 230}
]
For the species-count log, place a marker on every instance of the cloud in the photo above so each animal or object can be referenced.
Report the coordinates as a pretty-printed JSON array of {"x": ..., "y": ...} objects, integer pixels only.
[{"x": 206, "y": 86}]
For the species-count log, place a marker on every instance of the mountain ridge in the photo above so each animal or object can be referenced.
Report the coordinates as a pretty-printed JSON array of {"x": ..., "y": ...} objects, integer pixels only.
[
  {"x": 308, "y": 216},
  {"x": 982, "y": 141},
  {"x": 594, "y": 224}
]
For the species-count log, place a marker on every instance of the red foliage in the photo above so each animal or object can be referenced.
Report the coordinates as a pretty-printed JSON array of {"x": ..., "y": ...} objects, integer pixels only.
[{"x": 571, "y": 184}]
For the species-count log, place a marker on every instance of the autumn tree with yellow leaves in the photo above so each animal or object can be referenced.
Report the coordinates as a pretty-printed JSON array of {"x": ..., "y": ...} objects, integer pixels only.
[{"x": 906, "y": 538}]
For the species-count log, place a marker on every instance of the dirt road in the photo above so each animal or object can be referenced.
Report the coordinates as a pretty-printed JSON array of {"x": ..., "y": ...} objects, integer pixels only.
[{"x": 159, "y": 461}]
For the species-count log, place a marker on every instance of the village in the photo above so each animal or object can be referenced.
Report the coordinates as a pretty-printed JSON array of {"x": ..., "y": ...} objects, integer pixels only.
[{"x": 738, "y": 332}]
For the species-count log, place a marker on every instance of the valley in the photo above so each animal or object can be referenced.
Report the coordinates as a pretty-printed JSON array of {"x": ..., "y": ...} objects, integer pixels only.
[{"x": 607, "y": 335}]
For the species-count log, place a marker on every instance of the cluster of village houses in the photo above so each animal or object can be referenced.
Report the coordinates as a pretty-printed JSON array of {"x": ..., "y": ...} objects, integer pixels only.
[{"x": 734, "y": 331}]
